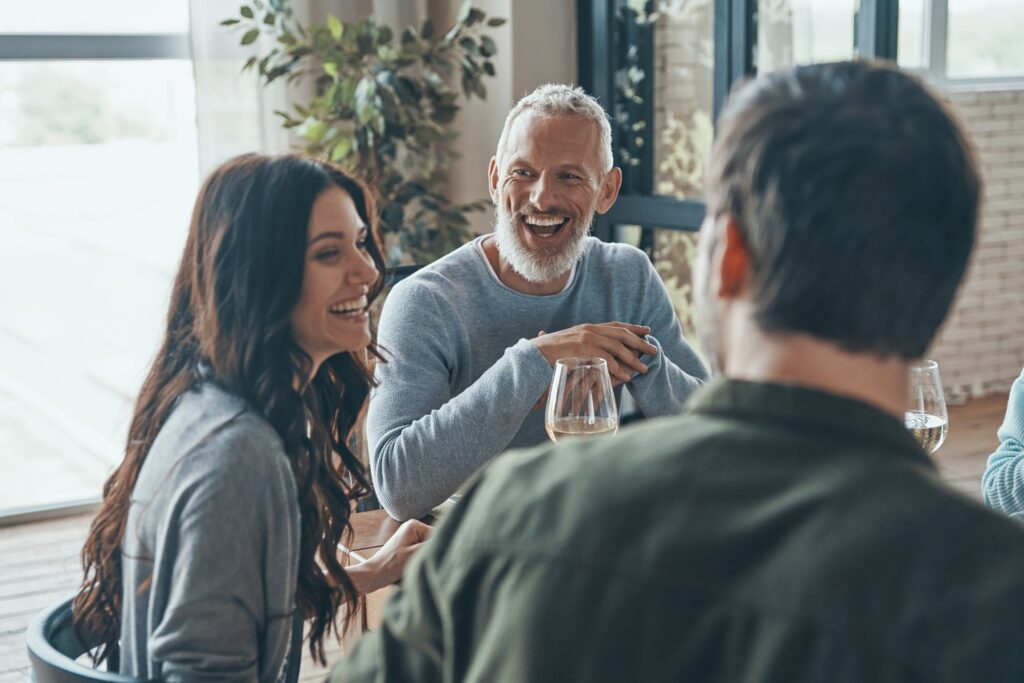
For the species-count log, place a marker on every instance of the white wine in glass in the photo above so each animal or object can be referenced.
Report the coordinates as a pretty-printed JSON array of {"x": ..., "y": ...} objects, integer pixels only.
[
  {"x": 926, "y": 416},
  {"x": 580, "y": 401}
]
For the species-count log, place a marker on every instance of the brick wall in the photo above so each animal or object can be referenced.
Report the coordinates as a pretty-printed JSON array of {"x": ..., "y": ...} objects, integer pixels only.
[{"x": 980, "y": 350}]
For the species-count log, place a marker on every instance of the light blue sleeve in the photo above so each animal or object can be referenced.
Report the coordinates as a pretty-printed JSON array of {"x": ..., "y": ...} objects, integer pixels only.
[
  {"x": 424, "y": 442},
  {"x": 675, "y": 371},
  {"x": 1003, "y": 482}
]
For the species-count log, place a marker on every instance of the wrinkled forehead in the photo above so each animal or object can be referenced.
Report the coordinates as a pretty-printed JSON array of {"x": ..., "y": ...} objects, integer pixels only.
[{"x": 542, "y": 141}]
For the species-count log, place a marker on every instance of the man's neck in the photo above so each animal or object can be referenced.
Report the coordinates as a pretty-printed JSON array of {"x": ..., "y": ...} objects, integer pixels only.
[
  {"x": 757, "y": 356},
  {"x": 513, "y": 280}
]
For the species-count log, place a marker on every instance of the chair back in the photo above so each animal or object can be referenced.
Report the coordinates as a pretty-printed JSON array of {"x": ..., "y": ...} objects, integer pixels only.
[
  {"x": 392, "y": 276},
  {"x": 53, "y": 647}
]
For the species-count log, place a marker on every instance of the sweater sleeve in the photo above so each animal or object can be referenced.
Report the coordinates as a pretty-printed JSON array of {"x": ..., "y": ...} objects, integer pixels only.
[
  {"x": 228, "y": 544},
  {"x": 1002, "y": 484},
  {"x": 424, "y": 442},
  {"x": 676, "y": 370}
]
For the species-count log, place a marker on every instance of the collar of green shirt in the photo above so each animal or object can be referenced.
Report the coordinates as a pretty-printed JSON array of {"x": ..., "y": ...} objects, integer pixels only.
[{"x": 807, "y": 409}]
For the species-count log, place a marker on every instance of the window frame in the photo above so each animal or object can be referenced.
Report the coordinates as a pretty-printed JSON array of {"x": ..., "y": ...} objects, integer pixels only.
[
  {"x": 735, "y": 54},
  {"x": 23, "y": 47},
  {"x": 935, "y": 40}
]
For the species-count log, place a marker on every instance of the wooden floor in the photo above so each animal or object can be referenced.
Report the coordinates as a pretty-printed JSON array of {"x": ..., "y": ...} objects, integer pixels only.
[{"x": 39, "y": 562}]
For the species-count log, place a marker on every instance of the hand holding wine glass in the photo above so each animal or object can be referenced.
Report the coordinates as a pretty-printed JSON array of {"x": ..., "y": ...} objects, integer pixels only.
[
  {"x": 926, "y": 414},
  {"x": 580, "y": 401}
]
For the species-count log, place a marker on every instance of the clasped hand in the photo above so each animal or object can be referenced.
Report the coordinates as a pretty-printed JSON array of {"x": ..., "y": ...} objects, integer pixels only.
[{"x": 620, "y": 344}]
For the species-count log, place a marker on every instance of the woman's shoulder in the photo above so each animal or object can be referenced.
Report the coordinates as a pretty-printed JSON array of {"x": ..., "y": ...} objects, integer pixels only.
[{"x": 213, "y": 438}]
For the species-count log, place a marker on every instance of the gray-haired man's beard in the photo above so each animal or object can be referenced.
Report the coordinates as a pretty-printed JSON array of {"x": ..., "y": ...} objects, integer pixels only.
[{"x": 531, "y": 265}]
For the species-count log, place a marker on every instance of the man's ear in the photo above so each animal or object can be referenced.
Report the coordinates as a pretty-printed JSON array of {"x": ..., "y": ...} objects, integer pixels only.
[
  {"x": 735, "y": 268},
  {"x": 609, "y": 191},
  {"x": 492, "y": 179}
]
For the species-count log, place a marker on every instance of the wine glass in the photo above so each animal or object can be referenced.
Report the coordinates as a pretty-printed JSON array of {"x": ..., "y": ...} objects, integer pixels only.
[
  {"x": 926, "y": 414},
  {"x": 580, "y": 401}
]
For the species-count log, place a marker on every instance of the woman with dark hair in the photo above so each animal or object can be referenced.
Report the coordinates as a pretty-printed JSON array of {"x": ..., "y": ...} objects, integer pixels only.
[{"x": 218, "y": 533}]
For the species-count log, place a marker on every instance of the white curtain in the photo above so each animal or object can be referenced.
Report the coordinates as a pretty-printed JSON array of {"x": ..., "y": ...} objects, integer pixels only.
[{"x": 235, "y": 113}]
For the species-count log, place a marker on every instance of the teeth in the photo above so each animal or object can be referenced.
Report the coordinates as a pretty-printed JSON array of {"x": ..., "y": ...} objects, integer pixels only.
[
  {"x": 543, "y": 222},
  {"x": 349, "y": 306}
]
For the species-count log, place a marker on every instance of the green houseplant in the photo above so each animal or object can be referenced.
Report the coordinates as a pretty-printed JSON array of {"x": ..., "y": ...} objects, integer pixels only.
[{"x": 381, "y": 108}]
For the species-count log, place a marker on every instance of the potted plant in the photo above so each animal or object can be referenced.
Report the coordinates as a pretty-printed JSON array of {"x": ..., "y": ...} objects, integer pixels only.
[{"x": 382, "y": 108}]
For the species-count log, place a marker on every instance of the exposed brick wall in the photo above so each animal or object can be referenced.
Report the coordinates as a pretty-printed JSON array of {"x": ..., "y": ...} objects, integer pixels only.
[{"x": 980, "y": 350}]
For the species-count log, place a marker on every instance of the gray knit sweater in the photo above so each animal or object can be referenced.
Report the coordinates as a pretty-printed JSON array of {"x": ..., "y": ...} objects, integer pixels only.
[
  {"x": 463, "y": 376},
  {"x": 211, "y": 548}
]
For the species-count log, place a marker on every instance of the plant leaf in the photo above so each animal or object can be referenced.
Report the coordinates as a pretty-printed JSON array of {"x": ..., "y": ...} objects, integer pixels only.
[
  {"x": 335, "y": 26},
  {"x": 246, "y": 12},
  {"x": 229, "y": 22},
  {"x": 250, "y": 36},
  {"x": 312, "y": 129},
  {"x": 427, "y": 30},
  {"x": 270, "y": 19},
  {"x": 342, "y": 148},
  {"x": 488, "y": 47},
  {"x": 331, "y": 69},
  {"x": 365, "y": 99},
  {"x": 496, "y": 21}
]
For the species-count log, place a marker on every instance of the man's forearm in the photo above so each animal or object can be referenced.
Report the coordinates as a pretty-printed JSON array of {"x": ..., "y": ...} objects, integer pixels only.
[{"x": 419, "y": 460}]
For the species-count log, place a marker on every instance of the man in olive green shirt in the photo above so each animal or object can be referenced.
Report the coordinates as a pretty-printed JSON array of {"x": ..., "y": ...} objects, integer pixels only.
[{"x": 788, "y": 528}]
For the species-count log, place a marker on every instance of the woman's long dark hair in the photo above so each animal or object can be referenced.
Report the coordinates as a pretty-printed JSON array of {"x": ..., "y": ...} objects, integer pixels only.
[{"x": 229, "y": 321}]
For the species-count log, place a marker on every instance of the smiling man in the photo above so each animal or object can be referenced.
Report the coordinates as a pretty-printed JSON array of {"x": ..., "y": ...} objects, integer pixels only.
[
  {"x": 788, "y": 527},
  {"x": 473, "y": 337}
]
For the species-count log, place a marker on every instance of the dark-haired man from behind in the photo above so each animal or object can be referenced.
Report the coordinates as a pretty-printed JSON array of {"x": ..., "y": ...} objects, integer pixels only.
[{"x": 788, "y": 528}]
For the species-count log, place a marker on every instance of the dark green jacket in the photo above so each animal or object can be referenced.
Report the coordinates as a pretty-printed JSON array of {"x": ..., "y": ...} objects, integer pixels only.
[{"x": 774, "y": 533}]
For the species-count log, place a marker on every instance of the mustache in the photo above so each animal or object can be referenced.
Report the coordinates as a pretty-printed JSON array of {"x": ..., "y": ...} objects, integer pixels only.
[{"x": 550, "y": 213}]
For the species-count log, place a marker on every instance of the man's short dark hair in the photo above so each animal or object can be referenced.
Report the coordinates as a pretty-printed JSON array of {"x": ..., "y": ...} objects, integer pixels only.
[{"x": 856, "y": 193}]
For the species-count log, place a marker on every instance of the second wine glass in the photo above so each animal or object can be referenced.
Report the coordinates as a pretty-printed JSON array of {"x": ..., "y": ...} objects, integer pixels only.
[
  {"x": 581, "y": 401},
  {"x": 926, "y": 416}
]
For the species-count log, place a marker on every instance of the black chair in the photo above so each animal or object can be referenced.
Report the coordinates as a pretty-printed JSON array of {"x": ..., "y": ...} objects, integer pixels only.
[
  {"x": 53, "y": 647},
  {"x": 394, "y": 275}
]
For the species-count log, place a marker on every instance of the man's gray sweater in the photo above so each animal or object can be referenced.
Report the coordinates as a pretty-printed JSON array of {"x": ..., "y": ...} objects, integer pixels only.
[{"x": 462, "y": 375}]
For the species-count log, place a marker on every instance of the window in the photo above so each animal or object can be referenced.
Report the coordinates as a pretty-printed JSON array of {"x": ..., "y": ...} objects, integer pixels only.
[
  {"x": 803, "y": 32},
  {"x": 98, "y": 171},
  {"x": 662, "y": 69},
  {"x": 963, "y": 41}
]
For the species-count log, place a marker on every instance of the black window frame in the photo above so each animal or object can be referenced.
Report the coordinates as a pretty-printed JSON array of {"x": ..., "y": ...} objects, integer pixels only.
[{"x": 735, "y": 57}]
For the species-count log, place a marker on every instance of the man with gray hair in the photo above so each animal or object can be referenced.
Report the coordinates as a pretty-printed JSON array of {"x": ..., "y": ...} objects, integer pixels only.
[
  {"x": 788, "y": 527},
  {"x": 472, "y": 338}
]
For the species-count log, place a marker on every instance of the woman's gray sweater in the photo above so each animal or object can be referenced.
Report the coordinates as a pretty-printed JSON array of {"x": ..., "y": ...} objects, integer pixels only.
[{"x": 211, "y": 549}]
